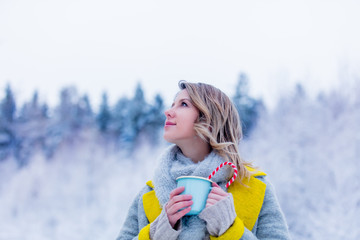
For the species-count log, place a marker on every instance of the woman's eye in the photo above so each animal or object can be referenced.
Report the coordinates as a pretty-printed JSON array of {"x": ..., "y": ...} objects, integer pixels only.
[{"x": 184, "y": 104}]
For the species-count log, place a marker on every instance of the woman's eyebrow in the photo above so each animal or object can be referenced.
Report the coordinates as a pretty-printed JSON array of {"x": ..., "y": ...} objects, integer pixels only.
[{"x": 180, "y": 100}]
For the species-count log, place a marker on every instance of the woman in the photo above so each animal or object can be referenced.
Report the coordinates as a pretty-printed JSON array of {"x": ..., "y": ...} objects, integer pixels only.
[{"x": 205, "y": 129}]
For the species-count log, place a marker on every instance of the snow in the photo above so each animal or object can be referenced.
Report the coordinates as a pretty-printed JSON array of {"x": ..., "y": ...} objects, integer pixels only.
[{"x": 82, "y": 193}]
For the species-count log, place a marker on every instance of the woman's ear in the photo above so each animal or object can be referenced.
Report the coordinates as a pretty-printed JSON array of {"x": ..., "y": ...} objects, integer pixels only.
[{"x": 202, "y": 117}]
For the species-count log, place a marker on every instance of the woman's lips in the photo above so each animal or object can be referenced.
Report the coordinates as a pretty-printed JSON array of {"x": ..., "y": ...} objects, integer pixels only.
[{"x": 169, "y": 123}]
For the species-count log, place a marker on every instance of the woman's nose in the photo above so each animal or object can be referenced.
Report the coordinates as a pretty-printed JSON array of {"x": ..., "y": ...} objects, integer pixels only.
[{"x": 169, "y": 112}]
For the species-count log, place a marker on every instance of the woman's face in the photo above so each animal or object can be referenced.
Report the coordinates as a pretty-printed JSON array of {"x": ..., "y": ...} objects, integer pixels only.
[{"x": 180, "y": 119}]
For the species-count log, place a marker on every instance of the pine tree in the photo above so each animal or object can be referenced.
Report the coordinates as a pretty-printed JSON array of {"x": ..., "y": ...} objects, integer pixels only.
[
  {"x": 134, "y": 118},
  {"x": 120, "y": 116},
  {"x": 84, "y": 113},
  {"x": 66, "y": 112},
  {"x": 155, "y": 119},
  {"x": 8, "y": 106},
  {"x": 247, "y": 106},
  {"x": 31, "y": 110},
  {"x": 139, "y": 110},
  {"x": 104, "y": 115},
  {"x": 137, "y": 113}
]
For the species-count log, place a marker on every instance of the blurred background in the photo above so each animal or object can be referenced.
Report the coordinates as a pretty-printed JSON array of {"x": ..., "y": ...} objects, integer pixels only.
[{"x": 84, "y": 84}]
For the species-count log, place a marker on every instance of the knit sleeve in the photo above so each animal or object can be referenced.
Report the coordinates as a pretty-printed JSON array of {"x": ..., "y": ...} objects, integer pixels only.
[
  {"x": 271, "y": 224},
  {"x": 161, "y": 229},
  {"x": 131, "y": 229},
  {"x": 220, "y": 216}
]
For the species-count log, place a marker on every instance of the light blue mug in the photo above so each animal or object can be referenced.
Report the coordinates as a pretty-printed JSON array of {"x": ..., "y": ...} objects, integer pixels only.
[{"x": 199, "y": 188}]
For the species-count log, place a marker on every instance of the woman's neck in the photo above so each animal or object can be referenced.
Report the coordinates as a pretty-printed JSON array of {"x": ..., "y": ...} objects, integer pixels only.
[{"x": 196, "y": 151}]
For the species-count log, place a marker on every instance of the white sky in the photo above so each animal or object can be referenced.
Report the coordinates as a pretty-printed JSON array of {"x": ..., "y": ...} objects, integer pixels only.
[{"x": 110, "y": 45}]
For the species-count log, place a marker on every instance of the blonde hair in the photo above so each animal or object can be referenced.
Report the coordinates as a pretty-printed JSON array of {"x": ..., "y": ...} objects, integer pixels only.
[{"x": 218, "y": 123}]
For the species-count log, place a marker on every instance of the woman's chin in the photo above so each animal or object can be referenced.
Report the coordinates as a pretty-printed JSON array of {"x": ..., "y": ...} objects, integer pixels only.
[{"x": 168, "y": 139}]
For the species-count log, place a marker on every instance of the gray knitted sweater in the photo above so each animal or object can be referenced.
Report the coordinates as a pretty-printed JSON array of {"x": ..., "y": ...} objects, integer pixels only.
[{"x": 270, "y": 223}]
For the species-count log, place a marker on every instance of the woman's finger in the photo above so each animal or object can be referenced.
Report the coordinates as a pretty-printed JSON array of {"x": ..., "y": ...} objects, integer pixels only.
[
  {"x": 215, "y": 196},
  {"x": 178, "y": 205},
  {"x": 173, "y": 209},
  {"x": 176, "y": 191},
  {"x": 175, "y": 217},
  {"x": 211, "y": 201},
  {"x": 218, "y": 190},
  {"x": 180, "y": 198},
  {"x": 176, "y": 197}
]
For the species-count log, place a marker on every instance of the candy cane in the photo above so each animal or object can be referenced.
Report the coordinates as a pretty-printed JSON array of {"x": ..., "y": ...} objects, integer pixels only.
[{"x": 220, "y": 166}]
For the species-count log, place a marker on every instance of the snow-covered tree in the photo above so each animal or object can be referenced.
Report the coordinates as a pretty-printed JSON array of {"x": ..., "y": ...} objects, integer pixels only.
[
  {"x": 33, "y": 110},
  {"x": 8, "y": 106},
  {"x": 136, "y": 117},
  {"x": 84, "y": 112},
  {"x": 155, "y": 119},
  {"x": 120, "y": 113},
  {"x": 309, "y": 148},
  {"x": 104, "y": 116},
  {"x": 247, "y": 106}
]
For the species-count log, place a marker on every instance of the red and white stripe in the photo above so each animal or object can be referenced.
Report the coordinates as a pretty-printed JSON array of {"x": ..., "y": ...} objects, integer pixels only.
[{"x": 220, "y": 166}]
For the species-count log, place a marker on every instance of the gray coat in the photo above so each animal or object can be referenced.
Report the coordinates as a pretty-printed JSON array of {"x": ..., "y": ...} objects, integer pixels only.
[{"x": 270, "y": 223}]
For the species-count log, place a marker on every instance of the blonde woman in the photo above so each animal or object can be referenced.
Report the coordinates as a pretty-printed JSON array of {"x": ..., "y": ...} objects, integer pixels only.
[{"x": 205, "y": 130}]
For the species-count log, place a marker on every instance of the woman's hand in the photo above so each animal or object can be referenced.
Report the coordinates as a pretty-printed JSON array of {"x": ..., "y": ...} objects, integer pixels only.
[
  {"x": 216, "y": 194},
  {"x": 176, "y": 203},
  {"x": 220, "y": 217}
]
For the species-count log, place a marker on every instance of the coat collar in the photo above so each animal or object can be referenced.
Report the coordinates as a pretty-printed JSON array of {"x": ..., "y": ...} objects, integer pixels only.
[
  {"x": 151, "y": 204},
  {"x": 248, "y": 198}
]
